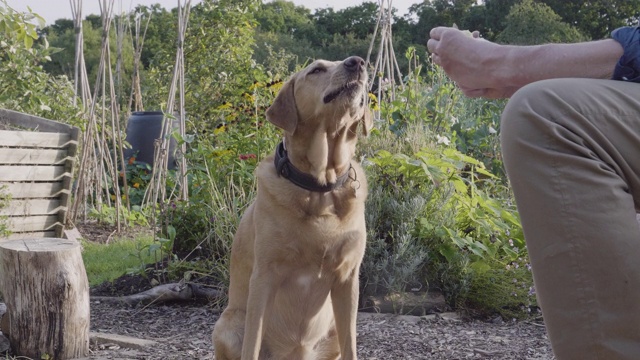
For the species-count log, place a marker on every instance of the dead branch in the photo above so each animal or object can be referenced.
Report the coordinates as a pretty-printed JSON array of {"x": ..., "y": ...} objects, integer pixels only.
[{"x": 163, "y": 293}]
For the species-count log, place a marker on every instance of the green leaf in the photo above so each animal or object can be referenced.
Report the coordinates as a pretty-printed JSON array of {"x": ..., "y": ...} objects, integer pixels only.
[
  {"x": 449, "y": 252},
  {"x": 28, "y": 42},
  {"x": 511, "y": 254},
  {"x": 171, "y": 231},
  {"x": 480, "y": 266}
]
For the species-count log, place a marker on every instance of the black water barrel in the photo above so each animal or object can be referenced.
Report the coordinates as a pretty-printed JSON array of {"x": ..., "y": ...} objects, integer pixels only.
[{"x": 143, "y": 128}]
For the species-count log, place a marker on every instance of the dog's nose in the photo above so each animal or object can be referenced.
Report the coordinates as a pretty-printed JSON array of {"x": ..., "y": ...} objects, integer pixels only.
[{"x": 354, "y": 63}]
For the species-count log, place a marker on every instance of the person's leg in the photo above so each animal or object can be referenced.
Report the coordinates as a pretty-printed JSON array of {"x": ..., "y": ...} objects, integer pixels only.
[{"x": 571, "y": 149}]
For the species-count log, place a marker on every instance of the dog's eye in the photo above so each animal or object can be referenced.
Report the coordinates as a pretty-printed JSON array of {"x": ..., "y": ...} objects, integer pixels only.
[{"x": 318, "y": 70}]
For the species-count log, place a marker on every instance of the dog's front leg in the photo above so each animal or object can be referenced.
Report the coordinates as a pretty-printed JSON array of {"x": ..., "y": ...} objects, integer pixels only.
[
  {"x": 344, "y": 297},
  {"x": 261, "y": 290}
]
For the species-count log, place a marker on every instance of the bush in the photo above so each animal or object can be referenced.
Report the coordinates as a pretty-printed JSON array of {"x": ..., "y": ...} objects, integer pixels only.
[
  {"x": 26, "y": 86},
  {"x": 438, "y": 218}
]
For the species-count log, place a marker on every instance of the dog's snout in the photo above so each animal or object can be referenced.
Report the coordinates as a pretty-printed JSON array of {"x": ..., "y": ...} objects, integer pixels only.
[{"x": 354, "y": 63}]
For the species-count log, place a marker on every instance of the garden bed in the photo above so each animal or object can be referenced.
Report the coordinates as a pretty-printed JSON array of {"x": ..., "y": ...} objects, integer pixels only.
[{"x": 183, "y": 330}]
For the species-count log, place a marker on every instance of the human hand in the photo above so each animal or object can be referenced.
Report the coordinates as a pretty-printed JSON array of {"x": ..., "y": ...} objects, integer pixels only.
[{"x": 472, "y": 63}]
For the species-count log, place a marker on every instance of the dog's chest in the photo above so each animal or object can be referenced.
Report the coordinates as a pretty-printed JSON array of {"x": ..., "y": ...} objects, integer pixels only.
[{"x": 317, "y": 257}]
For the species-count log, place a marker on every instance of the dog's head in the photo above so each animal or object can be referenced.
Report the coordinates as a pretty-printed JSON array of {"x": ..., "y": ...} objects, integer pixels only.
[{"x": 333, "y": 94}]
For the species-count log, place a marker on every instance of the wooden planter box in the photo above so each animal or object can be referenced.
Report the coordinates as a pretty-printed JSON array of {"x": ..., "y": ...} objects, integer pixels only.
[{"x": 36, "y": 170}]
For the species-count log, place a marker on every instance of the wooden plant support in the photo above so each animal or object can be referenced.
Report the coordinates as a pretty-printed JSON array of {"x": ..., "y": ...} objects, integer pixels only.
[{"x": 45, "y": 287}]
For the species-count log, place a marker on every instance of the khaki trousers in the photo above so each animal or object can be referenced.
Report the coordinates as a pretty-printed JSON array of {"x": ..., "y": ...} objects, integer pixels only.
[{"x": 571, "y": 148}]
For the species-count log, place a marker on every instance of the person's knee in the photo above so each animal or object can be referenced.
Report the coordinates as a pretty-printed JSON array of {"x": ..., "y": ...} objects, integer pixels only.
[{"x": 525, "y": 121}]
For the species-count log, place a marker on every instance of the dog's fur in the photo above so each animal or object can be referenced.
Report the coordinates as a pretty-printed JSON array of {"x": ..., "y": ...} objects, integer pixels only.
[{"x": 297, "y": 253}]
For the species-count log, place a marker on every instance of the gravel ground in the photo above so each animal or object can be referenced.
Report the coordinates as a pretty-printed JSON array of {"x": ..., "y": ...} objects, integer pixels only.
[{"x": 184, "y": 332}]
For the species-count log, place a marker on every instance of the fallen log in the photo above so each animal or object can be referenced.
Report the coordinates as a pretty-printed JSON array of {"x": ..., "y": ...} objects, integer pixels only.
[
  {"x": 163, "y": 293},
  {"x": 408, "y": 303}
]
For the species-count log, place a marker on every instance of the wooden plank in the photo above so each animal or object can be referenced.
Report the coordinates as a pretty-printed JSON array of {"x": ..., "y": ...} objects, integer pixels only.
[
  {"x": 29, "y": 235},
  {"x": 33, "y": 190},
  {"x": 67, "y": 181},
  {"x": 32, "y": 173},
  {"x": 34, "y": 156},
  {"x": 32, "y": 223},
  {"x": 18, "y": 120},
  {"x": 34, "y": 139},
  {"x": 31, "y": 207}
]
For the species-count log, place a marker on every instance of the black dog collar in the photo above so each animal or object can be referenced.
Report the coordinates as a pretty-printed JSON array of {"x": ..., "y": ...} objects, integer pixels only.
[{"x": 285, "y": 168}]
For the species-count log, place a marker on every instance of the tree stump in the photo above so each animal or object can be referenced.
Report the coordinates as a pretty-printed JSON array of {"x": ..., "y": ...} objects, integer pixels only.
[{"x": 45, "y": 287}]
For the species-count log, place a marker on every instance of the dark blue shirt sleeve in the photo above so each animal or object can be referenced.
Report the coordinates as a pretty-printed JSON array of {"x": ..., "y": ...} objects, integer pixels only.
[{"x": 628, "y": 67}]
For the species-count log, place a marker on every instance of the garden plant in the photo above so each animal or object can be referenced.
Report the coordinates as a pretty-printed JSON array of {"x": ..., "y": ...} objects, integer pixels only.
[{"x": 440, "y": 214}]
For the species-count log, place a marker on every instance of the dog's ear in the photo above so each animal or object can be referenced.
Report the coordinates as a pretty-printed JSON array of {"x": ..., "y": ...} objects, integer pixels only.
[
  {"x": 367, "y": 121},
  {"x": 283, "y": 113}
]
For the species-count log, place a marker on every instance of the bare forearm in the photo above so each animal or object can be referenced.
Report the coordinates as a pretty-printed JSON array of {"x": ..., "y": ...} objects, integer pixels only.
[
  {"x": 485, "y": 69},
  {"x": 522, "y": 65}
]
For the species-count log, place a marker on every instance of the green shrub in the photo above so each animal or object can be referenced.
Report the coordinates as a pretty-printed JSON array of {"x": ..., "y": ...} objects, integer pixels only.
[
  {"x": 502, "y": 289},
  {"x": 27, "y": 87},
  {"x": 437, "y": 217}
]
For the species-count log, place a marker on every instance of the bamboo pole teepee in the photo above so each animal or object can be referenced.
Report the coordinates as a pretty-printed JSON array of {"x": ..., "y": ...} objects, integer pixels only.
[
  {"x": 385, "y": 68},
  {"x": 102, "y": 144},
  {"x": 159, "y": 175},
  {"x": 137, "y": 39}
]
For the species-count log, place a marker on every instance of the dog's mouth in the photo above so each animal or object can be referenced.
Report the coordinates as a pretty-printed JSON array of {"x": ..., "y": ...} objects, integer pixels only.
[{"x": 348, "y": 89}]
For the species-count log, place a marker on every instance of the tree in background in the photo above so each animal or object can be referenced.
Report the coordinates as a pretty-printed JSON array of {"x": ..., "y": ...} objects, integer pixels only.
[
  {"x": 161, "y": 34},
  {"x": 597, "y": 18},
  {"x": 295, "y": 35},
  {"x": 283, "y": 26},
  {"x": 284, "y": 17},
  {"x": 218, "y": 60},
  {"x": 531, "y": 23},
  {"x": 327, "y": 34},
  {"x": 63, "y": 38},
  {"x": 495, "y": 17}
]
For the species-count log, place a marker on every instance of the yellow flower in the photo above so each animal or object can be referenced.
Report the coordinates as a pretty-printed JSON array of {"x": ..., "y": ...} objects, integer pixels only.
[
  {"x": 249, "y": 97},
  {"x": 220, "y": 129},
  {"x": 373, "y": 102},
  {"x": 136, "y": 185},
  {"x": 276, "y": 86},
  {"x": 255, "y": 85}
]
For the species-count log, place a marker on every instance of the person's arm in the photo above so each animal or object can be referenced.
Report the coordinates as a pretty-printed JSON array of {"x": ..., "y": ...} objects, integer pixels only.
[
  {"x": 485, "y": 69},
  {"x": 596, "y": 59}
]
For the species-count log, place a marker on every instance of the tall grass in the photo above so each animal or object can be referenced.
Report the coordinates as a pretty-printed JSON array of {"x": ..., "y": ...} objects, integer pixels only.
[{"x": 107, "y": 262}]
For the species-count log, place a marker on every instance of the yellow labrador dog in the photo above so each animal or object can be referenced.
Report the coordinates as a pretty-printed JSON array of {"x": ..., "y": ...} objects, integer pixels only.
[{"x": 297, "y": 252}]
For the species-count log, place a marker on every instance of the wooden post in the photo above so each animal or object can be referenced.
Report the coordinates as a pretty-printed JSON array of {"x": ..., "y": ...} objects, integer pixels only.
[{"x": 45, "y": 287}]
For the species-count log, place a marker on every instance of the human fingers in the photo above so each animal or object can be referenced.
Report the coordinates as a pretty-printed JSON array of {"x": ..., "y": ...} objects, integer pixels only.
[
  {"x": 432, "y": 44},
  {"x": 436, "y": 32},
  {"x": 436, "y": 59}
]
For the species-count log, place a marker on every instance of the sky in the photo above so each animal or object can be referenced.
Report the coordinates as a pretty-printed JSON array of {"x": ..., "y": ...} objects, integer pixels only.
[{"x": 51, "y": 10}]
